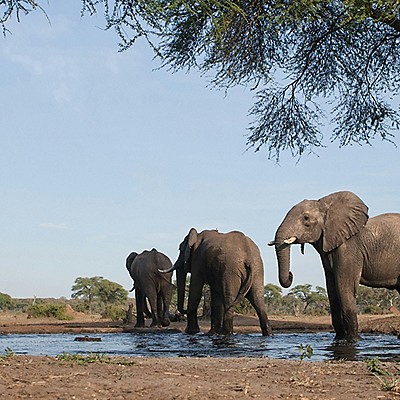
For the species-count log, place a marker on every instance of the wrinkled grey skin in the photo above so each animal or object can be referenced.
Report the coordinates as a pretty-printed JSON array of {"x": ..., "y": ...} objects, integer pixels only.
[
  {"x": 353, "y": 249},
  {"x": 231, "y": 264},
  {"x": 150, "y": 283}
]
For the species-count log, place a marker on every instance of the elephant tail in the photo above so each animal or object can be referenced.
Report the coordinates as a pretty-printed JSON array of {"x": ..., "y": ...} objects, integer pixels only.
[
  {"x": 247, "y": 283},
  {"x": 245, "y": 287}
]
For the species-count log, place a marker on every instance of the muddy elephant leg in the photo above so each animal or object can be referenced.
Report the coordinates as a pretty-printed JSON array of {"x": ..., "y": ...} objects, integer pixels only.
[
  {"x": 140, "y": 299},
  {"x": 256, "y": 299},
  {"x": 230, "y": 300},
  {"x": 195, "y": 292},
  {"x": 347, "y": 298},
  {"x": 166, "y": 301},
  {"x": 335, "y": 306},
  {"x": 217, "y": 312},
  {"x": 146, "y": 311},
  {"x": 159, "y": 308},
  {"x": 152, "y": 296}
]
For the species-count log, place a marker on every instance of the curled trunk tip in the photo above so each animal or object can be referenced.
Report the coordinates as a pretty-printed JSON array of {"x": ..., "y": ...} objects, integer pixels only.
[{"x": 287, "y": 282}]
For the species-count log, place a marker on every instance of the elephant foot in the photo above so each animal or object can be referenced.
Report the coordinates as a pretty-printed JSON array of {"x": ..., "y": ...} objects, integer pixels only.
[
  {"x": 192, "y": 331},
  {"x": 139, "y": 326},
  {"x": 226, "y": 332},
  {"x": 266, "y": 331},
  {"x": 165, "y": 322},
  {"x": 347, "y": 337},
  {"x": 211, "y": 332}
]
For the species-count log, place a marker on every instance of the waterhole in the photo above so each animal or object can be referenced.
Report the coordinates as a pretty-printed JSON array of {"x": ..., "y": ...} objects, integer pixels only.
[{"x": 280, "y": 345}]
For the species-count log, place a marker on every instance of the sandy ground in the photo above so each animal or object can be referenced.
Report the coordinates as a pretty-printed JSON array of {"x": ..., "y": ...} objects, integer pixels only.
[{"x": 24, "y": 377}]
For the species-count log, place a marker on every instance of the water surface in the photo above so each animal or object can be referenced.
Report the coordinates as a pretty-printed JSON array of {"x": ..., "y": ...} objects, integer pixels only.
[{"x": 280, "y": 345}]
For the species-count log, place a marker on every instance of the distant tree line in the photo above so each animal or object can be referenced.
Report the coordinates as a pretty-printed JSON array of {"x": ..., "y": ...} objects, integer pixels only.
[
  {"x": 89, "y": 295},
  {"x": 304, "y": 300},
  {"x": 96, "y": 295}
]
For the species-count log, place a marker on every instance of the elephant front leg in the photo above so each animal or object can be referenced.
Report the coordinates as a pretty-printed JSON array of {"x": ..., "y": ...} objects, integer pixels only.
[
  {"x": 342, "y": 300},
  {"x": 347, "y": 296},
  {"x": 195, "y": 292},
  {"x": 335, "y": 306}
]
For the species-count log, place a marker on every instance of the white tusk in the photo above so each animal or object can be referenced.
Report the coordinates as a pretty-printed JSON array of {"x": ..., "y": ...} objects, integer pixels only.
[{"x": 290, "y": 240}]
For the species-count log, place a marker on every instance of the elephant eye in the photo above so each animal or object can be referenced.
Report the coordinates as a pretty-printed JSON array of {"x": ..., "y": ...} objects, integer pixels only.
[{"x": 306, "y": 219}]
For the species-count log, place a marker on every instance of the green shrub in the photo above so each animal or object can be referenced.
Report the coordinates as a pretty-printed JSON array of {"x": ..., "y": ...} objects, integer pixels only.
[
  {"x": 58, "y": 311},
  {"x": 81, "y": 307},
  {"x": 113, "y": 312},
  {"x": 6, "y": 302},
  {"x": 372, "y": 309}
]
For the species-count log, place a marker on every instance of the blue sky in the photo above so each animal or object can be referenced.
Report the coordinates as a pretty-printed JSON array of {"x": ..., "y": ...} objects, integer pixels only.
[{"x": 102, "y": 154}]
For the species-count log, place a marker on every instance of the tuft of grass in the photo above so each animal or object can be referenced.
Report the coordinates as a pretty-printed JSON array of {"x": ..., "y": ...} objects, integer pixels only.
[
  {"x": 389, "y": 381},
  {"x": 305, "y": 351},
  {"x": 8, "y": 354},
  {"x": 91, "y": 358}
]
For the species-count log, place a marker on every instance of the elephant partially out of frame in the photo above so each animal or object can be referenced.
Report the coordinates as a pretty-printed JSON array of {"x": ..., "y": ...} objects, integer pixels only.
[
  {"x": 152, "y": 284},
  {"x": 231, "y": 264},
  {"x": 354, "y": 249}
]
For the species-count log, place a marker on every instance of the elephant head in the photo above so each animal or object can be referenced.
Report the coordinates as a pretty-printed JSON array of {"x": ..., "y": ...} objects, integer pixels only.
[
  {"x": 183, "y": 266},
  {"x": 325, "y": 223}
]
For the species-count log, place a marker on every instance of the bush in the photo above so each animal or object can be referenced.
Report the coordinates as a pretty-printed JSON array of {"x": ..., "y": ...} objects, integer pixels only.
[
  {"x": 58, "y": 311},
  {"x": 6, "y": 302},
  {"x": 81, "y": 307},
  {"x": 372, "y": 309},
  {"x": 113, "y": 312}
]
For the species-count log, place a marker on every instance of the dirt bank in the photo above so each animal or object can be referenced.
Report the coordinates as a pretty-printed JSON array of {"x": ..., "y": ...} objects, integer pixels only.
[
  {"x": 24, "y": 377},
  {"x": 10, "y": 323}
]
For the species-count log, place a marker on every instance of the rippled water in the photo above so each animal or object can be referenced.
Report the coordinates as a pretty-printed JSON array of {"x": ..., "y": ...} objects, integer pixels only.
[{"x": 281, "y": 345}]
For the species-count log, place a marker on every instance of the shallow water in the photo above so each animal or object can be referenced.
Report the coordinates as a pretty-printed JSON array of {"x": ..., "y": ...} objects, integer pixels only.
[{"x": 281, "y": 345}]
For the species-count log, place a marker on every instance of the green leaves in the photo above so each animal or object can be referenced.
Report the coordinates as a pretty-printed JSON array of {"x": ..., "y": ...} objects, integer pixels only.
[
  {"x": 98, "y": 292},
  {"x": 295, "y": 55},
  {"x": 94, "y": 358}
]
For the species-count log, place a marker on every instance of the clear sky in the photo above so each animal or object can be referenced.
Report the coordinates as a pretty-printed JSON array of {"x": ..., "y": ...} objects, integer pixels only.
[{"x": 102, "y": 154}]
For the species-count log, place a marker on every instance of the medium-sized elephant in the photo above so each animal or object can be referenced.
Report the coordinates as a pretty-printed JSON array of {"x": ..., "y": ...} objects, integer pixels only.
[
  {"x": 152, "y": 284},
  {"x": 231, "y": 264},
  {"x": 353, "y": 249}
]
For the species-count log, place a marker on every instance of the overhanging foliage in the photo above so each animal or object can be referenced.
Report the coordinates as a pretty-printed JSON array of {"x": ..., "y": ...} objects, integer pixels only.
[{"x": 311, "y": 63}]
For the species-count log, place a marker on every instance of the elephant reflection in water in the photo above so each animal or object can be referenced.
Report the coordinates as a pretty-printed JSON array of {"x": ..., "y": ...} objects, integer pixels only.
[
  {"x": 354, "y": 249},
  {"x": 151, "y": 284},
  {"x": 231, "y": 264}
]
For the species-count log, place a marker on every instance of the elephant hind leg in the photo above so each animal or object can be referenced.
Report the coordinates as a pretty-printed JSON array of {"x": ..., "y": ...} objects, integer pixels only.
[
  {"x": 163, "y": 309},
  {"x": 258, "y": 303},
  {"x": 217, "y": 312},
  {"x": 229, "y": 312},
  {"x": 152, "y": 296},
  {"x": 140, "y": 299}
]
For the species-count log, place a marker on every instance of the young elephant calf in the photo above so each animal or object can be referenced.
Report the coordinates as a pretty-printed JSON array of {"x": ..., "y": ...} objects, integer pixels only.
[{"x": 152, "y": 284}]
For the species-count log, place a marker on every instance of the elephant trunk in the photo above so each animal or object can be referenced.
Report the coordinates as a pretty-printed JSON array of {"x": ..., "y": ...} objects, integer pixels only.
[
  {"x": 181, "y": 286},
  {"x": 283, "y": 256}
]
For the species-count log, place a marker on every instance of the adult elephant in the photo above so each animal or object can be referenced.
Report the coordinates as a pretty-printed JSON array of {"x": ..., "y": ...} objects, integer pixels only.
[
  {"x": 231, "y": 264},
  {"x": 353, "y": 249},
  {"x": 150, "y": 283}
]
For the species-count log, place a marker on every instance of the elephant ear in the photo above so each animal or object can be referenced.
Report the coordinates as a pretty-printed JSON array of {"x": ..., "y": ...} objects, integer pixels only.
[
  {"x": 191, "y": 240},
  {"x": 345, "y": 215},
  {"x": 130, "y": 259}
]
